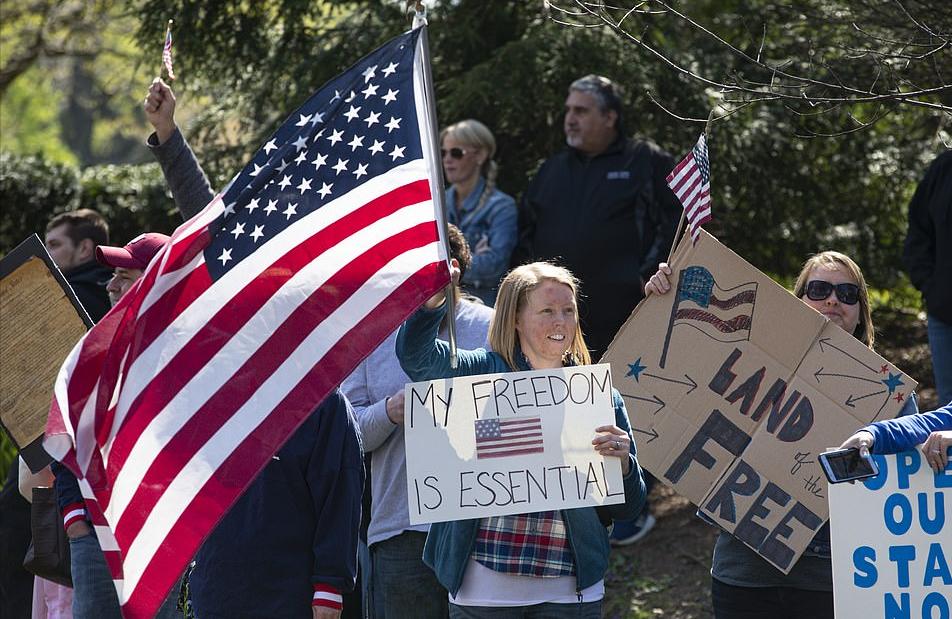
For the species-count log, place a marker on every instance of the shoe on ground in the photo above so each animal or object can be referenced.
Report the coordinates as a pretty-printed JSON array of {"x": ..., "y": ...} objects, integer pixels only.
[{"x": 627, "y": 532}]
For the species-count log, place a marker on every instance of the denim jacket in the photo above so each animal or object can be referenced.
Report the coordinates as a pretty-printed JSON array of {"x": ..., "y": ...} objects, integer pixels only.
[
  {"x": 449, "y": 544},
  {"x": 495, "y": 223}
]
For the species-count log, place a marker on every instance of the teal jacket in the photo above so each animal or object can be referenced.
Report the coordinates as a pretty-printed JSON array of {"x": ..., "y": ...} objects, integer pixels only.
[{"x": 449, "y": 544}]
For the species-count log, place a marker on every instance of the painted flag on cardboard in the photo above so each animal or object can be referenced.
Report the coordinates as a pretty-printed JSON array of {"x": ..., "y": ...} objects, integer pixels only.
[
  {"x": 252, "y": 314},
  {"x": 690, "y": 181},
  {"x": 721, "y": 314},
  {"x": 516, "y": 436}
]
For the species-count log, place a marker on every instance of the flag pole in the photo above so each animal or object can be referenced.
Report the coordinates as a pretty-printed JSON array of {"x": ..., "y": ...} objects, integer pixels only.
[
  {"x": 438, "y": 196},
  {"x": 677, "y": 235}
]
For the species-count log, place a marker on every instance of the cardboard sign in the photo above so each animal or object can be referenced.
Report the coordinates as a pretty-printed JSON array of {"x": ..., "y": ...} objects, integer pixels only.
[
  {"x": 892, "y": 541},
  {"x": 42, "y": 321},
  {"x": 733, "y": 386},
  {"x": 513, "y": 443}
]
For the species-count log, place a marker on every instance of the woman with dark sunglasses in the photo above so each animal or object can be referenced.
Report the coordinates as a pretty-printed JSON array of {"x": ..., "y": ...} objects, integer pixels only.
[
  {"x": 487, "y": 216},
  {"x": 743, "y": 585}
]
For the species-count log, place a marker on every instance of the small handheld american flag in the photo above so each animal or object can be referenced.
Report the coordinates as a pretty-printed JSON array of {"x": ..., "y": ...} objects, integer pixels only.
[
  {"x": 167, "y": 51},
  {"x": 691, "y": 182}
]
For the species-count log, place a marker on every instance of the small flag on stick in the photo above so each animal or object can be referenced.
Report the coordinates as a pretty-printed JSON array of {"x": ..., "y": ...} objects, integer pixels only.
[
  {"x": 167, "y": 51},
  {"x": 691, "y": 182}
]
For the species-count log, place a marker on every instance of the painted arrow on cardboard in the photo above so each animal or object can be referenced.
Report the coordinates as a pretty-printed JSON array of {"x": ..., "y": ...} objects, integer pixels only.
[
  {"x": 820, "y": 373},
  {"x": 826, "y": 340},
  {"x": 654, "y": 399},
  {"x": 652, "y": 433},
  {"x": 851, "y": 398},
  {"x": 691, "y": 382}
]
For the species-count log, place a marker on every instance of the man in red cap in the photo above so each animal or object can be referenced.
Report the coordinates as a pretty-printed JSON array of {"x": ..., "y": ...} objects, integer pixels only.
[
  {"x": 94, "y": 595},
  {"x": 129, "y": 262}
]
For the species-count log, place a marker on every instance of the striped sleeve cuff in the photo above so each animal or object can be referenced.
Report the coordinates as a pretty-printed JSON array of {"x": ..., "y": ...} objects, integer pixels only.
[
  {"x": 327, "y": 596},
  {"x": 74, "y": 512}
]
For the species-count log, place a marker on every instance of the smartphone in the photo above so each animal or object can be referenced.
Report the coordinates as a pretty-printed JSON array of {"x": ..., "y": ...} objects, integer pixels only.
[{"x": 847, "y": 465}]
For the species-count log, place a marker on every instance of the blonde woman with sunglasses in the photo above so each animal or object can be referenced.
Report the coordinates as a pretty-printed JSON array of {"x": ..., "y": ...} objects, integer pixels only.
[{"x": 487, "y": 216}]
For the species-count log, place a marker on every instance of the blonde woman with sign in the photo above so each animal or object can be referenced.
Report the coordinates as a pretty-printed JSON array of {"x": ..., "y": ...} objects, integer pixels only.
[{"x": 551, "y": 564}]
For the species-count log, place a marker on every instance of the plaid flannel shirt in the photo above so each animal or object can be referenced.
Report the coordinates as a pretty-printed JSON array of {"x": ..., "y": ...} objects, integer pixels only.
[{"x": 525, "y": 544}]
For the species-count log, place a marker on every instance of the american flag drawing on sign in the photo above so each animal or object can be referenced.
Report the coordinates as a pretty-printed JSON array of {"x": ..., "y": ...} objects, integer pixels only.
[
  {"x": 722, "y": 315},
  {"x": 167, "y": 53},
  {"x": 498, "y": 438},
  {"x": 252, "y": 314},
  {"x": 691, "y": 182}
]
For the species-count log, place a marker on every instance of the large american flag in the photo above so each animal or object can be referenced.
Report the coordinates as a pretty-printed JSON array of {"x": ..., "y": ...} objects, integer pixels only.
[
  {"x": 256, "y": 310},
  {"x": 691, "y": 182}
]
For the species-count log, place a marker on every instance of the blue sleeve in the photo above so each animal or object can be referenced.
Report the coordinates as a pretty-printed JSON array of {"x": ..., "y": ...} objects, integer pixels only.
[
  {"x": 490, "y": 265},
  {"x": 423, "y": 356},
  {"x": 902, "y": 433},
  {"x": 335, "y": 477},
  {"x": 635, "y": 493}
]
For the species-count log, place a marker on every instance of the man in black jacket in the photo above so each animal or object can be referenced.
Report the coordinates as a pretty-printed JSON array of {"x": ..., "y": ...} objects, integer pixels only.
[
  {"x": 928, "y": 259},
  {"x": 71, "y": 240},
  {"x": 602, "y": 208}
]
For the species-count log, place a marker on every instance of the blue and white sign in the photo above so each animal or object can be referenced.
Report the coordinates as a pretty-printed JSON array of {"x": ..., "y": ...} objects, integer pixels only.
[{"x": 892, "y": 542}]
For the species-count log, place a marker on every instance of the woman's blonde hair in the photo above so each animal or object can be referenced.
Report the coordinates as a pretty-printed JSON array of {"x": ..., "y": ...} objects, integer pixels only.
[
  {"x": 513, "y": 296},
  {"x": 477, "y": 135},
  {"x": 864, "y": 332}
]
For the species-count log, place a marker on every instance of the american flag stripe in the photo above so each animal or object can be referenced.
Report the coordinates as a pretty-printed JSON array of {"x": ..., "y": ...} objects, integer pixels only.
[
  {"x": 208, "y": 475},
  {"x": 746, "y": 296},
  {"x": 690, "y": 180},
  {"x": 250, "y": 301},
  {"x": 241, "y": 386},
  {"x": 231, "y": 387},
  {"x": 333, "y": 225}
]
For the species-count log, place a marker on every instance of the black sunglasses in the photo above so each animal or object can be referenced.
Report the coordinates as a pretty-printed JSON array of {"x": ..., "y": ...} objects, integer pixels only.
[
  {"x": 455, "y": 152},
  {"x": 818, "y": 290}
]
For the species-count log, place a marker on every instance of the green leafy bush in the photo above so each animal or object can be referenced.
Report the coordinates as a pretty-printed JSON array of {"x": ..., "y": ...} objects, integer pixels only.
[{"x": 132, "y": 198}]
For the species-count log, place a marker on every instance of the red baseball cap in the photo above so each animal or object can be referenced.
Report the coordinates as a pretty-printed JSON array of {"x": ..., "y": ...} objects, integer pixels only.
[{"x": 136, "y": 254}]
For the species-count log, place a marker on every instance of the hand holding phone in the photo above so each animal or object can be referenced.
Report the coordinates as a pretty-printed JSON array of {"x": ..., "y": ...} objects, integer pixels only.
[{"x": 849, "y": 464}]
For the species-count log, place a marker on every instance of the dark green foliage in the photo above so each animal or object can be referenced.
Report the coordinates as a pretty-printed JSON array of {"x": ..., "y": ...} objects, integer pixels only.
[
  {"x": 31, "y": 191},
  {"x": 777, "y": 196},
  {"x": 133, "y": 199}
]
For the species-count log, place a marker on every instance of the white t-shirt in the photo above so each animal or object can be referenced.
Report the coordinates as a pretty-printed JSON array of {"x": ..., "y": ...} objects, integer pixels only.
[{"x": 485, "y": 587}]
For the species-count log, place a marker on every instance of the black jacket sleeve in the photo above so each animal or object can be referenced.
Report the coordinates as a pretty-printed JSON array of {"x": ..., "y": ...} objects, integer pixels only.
[
  {"x": 190, "y": 187},
  {"x": 335, "y": 477}
]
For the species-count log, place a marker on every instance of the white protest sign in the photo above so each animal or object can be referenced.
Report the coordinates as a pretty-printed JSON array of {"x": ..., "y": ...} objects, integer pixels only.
[
  {"x": 497, "y": 444},
  {"x": 892, "y": 542}
]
